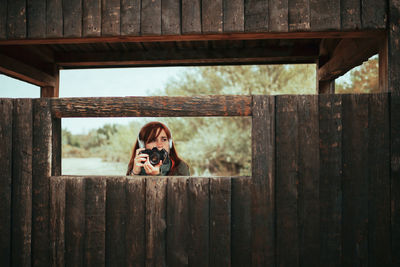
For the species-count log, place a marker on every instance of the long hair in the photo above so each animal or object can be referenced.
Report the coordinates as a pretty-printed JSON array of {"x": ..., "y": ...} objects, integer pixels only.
[{"x": 150, "y": 132}]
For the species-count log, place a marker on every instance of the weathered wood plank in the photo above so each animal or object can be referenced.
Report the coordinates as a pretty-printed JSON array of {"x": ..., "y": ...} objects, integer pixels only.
[
  {"x": 57, "y": 221},
  {"x": 191, "y": 16},
  {"x": 374, "y": 14},
  {"x": 379, "y": 236},
  {"x": 211, "y": 16},
  {"x": 299, "y": 15},
  {"x": 130, "y": 17},
  {"x": 41, "y": 172},
  {"x": 325, "y": 15},
  {"x": 199, "y": 219},
  {"x": 330, "y": 137},
  {"x": 116, "y": 222},
  {"x": 355, "y": 180},
  {"x": 171, "y": 17},
  {"x": 233, "y": 15},
  {"x": 241, "y": 222},
  {"x": 156, "y": 221},
  {"x": 3, "y": 19},
  {"x": 74, "y": 221},
  {"x": 22, "y": 183},
  {"x": 95, "y": 222},
  {"x": 16, "y": 19},
  {"x": 350, "y": 13},
  {"x": 178, "y": 233},
  {"x": 256, "y": 15},
  {"x": 72, "y": 15},
  {"x": 36, "y": 18},
  {"x": 110, "y": 18},
  {"x": 287, "y": 180},
  {"x": 6, "y": 133},
  {"x": 54, "y": 19},
  {"x": 150, "y": 18},
  {"x": 56, "y": 147},
  {"x": 91, "y": 19},
  {"x": 263, "y": 181},
  {"x": 135, "y": 221},
  {"x": 152, "y": 106},
  {"x": 279, "y": 16},
  {"x": 394, "y": 47}
]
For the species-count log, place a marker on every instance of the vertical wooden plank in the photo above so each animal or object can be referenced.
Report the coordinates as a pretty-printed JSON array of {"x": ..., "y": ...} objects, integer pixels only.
[
  {"x": 36, "y": 18},
  {"x": 330, "y": 138},
  {"x": 191, "y": 16},
  {"x": 54, "y": 19},
  {"x": 211, "y": 16},
  {"x": 72, "y": 15},
  {"x": 355, "y": 180},
  {"x": 150, "y": 18},
  {"x": 325, "y": 15},
  {"x": 135, "y": 221},
  {"x": 241, "y": 221},
  {"x": 3, "y": 19},
  {"x": 91, "y": 19},
  {"x": 199, "y": 218},
  {"x": 16, "y": 19},
  {"x": 22, "y": 183},
  {"x": 384, "y": 64},
  {"x": 394, "y": 47},
  {"x": 395, "y": 174},
  {"x": 279, "y": 16},
  {"x": 6, "y": 124},
  {"x": 95, "y": 224},
  {"x": 299, "y": 15},
  {"x": 74, "y": 221},
  {"x": 374, "y": 14},
  {"x": 308, "y": 175},
  {"x": 57, "y": 221},
  {"x": 255, "y": 15},
  {"x": 115, "y": 218},
  {"x": 263, "y": 181},
  {"x": 56, "y": 147},
  {"x": 350, "y": 13},
  {"x": 110, "y": 18},
  {"x": 41, "y": 173},
  {"x": 379, "y": 238},
  {"x": 130, "y": 17},
  {"x": 287, "y": 146},
  {"x": 156, "y": 190},
  {"x": 233, "y": 15},
  {"x": 171, "y": 17},
  {"x": 178, "y": 232}
]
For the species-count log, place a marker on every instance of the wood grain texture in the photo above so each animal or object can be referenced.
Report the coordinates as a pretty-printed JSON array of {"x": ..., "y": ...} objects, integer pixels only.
[
  {"x": 130, "y": 17},
  {"x": 56, "y": 147},
  {"x": 256, "y": 15},
  {"x": 299, "y": 15},
  {"x": 54, "y": 19},
  {"x": 57, "y": 221},
  {"x": 394, "y": 47},
  {"x": 350, "y": 13},
  {"x": 91, "y": 18},
  {"x": 279, "y": 16},
  {"x": 171, "y": 17},
  {"x": 16, "y": 19},
  {"x": 72, "y": 16},
  {"x": 150, "y": 18},
  {"x": 36, "y": 18},
  {"x": 212, "y": 16},
  {"x": 191, "y": 16},
  {"x": 325, "y": 15},
  {"x": 233, "y": 15},
  {"x": 6, "y": 134},
  {"x": 110, "y": 18},
  {"x": 3, "y": 19},
  {"x": 374, "y": 14}
]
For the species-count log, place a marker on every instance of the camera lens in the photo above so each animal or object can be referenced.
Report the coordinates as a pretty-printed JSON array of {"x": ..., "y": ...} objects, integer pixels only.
[{"x": 154, "y": 158}]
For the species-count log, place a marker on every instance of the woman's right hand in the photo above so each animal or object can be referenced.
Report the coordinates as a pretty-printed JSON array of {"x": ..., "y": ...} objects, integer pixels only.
[{"x": 139, "y": 161}]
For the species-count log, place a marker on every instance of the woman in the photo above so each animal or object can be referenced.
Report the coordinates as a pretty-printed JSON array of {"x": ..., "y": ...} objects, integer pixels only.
[{"x": 156, "y": 135}]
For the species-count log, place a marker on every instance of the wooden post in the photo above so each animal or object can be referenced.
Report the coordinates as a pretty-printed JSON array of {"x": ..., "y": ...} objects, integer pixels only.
[
  {"x": 383, "y": 65},
  {"x": 51, "y": 91}
]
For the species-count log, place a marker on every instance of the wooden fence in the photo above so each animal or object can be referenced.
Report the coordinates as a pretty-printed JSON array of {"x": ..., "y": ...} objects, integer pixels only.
[{"x": 323, "y": 191}]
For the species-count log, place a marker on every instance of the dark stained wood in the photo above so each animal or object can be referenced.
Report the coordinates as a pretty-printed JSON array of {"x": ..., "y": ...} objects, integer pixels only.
[
  {"x": 36, "y": 18},
  {"x": 191, "y": 16},
  {"x": 16, "y": 19},
  {"x": 394, "y": 47},
  {"x": 263, "y": 181},
  {"x": 233, "y": 15},
  {"x": 135, "y": 221},
  {"x": 156, "y": 225},
  {"x": 178, "y": 231},
  {"x": 22, "y": 183},
  {"x": 256, "y": 15},
  {"x": 116, "y": 222},
  {"x": 241, "y": 222},
  {"x": 6, "y": 124},
  {"x": 91, "y": 18},
  {"x": 324, "y": 15},
  {"x": 49, "y": 91},
  {"x": 171, "y": 17},
  {"x": 326, "y": 87},
  {"x": 72, "y": 18},
  {"x": 278, "y": 16},
  {"x": 150, "y": 17},
  {"x": 41, "y": 172},
  {"x": 330, "y": 178},
  {"x": 54, "y": 19},
  {"x": 379, "y": 236},
  {"x": 152, "y": 106},
  {"x": 57, "y": 221},
  {"x": 3, "y": 19},
  {"x": 299, "y": 15},
  {"x": 95, "y": 222},
  {"x": 130, "y": 17},
  {"x": 355, "y": 181},
  {"x": 212, "y": 16},
  {"x": 56, "y": 147},
  {"x": 374, "y": 14},
  {"x": 287, "y": 181},
  {"x": 350, "y": 13},
  {"x": 110, "y": 17},
  {"x": 384, "y": 65},
  {"x": 199, "y": 219},
  {"x": 74, "y": 221}
]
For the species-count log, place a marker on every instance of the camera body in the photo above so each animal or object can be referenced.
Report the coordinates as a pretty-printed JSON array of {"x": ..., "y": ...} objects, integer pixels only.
[{"x": 155, "y": 155}]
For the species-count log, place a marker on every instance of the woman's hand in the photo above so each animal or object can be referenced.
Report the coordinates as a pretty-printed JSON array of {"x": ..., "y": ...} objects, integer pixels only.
[
  {"x": 150, "y": 169},
  {"x": 139, "y": 161}
]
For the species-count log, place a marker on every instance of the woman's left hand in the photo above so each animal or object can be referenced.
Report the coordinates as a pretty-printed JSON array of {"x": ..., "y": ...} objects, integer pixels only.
[{"x": 150, "y": 169}]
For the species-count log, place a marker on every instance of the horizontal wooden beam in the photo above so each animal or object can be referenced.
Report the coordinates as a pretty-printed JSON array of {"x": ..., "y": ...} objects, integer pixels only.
[
  {"x": 118, "y": 177},
  {"x": 159, "y": 106}
]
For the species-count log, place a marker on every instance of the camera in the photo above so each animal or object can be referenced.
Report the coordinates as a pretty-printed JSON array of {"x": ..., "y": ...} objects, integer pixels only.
[{"x": 155, "y": 155}]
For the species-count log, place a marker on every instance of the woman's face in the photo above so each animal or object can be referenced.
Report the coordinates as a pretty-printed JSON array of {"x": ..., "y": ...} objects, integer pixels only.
[{"x": 160, "y": 142}]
